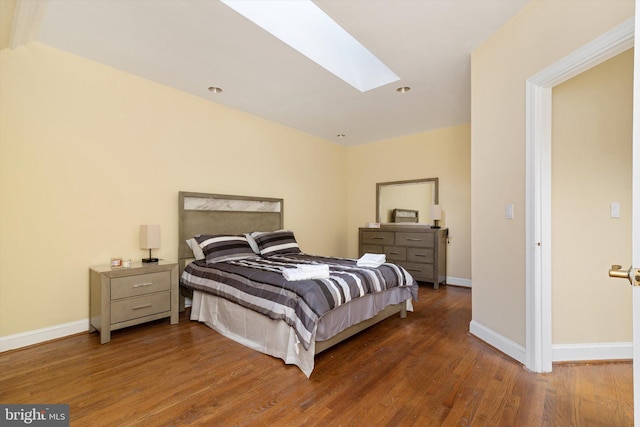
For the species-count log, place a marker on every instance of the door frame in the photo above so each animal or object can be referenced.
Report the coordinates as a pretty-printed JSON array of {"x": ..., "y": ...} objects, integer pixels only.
[
  {"x": 635, "y": 220},
  {"x": 538, "y": 350}
]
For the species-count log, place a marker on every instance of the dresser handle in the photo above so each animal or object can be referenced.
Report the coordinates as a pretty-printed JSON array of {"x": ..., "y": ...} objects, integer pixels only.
[
  {"x": 421, "y": 255},
  {"x": 377, "y": 238},
  {"x": 414, "y": 240},
  {"x": 139, "y": 285},
  {"x": 142, "y": 306},
  {"x": 394, "y": 253}
]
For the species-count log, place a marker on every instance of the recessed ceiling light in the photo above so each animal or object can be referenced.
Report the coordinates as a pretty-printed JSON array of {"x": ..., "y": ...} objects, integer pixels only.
[
  {"x": 309, "y": 30},
  {"x": 403, "y": 89},
  {"x": 341, "y": 135},
  {"x": 215, "y": 89}
]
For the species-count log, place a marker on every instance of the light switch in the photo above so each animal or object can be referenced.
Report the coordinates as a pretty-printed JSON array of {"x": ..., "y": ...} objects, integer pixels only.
[
  {"x": 508, "y": 211},
  {"x": 615, "y": 210}
]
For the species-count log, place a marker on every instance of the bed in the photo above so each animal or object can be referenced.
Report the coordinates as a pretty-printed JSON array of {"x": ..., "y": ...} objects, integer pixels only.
[{"x": 234, "y": 258}]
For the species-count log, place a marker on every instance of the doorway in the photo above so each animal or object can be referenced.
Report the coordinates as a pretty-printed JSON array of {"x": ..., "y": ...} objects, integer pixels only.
[
  {"x": 592, "y": 129},
  {"x": 538, "y": 351}
]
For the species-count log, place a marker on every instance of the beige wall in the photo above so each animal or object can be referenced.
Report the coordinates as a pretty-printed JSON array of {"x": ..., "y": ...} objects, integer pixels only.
[
  {"x": 541, "y": 34},
  {"x": 7, "y": 9},
  {"x": 591, "y": 168},
  {"x": 88, "y": 153},
  {"x": 443, "y": 153}
]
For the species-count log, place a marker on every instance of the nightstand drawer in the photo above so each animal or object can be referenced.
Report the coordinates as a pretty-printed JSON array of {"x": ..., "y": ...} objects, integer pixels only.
[
  {"x": 419, "y": 271},
  {"x": 395, "y": 253},
  {"x": 377, "y": 238},
  {"x": 132, "y": 308},
  {"x": 140, "y": 284},
  {"x": 420, "y": 255},
  {"x": 416, "y": 239}
]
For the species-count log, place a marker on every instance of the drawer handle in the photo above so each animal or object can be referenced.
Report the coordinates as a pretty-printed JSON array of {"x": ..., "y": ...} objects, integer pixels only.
[
  {"x": 421, "y": 255},
  {"x": 377, "y": 238},
  {"x": 394, "y": 253},
  {"x": 414, "y": 240},
  {"x": 139, "y": 285},
  {"x": 138, "y": 307}
]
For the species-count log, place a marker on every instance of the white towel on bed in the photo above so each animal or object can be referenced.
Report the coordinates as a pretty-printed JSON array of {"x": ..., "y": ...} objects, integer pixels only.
[
  {"x": 306, "y": 272},
  {"x": 313, "y": 267},
  {"x": 371, "y": 260}
]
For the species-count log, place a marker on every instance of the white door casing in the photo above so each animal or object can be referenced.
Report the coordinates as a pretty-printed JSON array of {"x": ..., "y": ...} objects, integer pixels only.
[{"x": 635, "y": 219}]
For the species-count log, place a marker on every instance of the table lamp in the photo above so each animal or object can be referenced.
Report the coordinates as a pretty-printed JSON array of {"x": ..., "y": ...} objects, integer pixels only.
[
  {"x": 149, "y": 239},
  {"x": 436, "y": 215}
]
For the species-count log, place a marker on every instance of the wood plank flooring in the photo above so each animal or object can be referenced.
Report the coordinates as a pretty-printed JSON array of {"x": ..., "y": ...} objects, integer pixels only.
[{"x": 425, "y": 370}]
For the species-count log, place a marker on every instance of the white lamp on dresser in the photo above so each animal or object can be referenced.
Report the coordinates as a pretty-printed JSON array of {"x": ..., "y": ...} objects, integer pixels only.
[{"x": 436, "y": 215}]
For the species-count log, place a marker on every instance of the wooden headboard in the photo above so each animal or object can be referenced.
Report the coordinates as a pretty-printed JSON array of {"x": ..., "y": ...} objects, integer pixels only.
[{"x": 204, "y": 213}]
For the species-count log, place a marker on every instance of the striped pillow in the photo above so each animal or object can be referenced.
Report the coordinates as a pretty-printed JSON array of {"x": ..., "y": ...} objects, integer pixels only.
[
  {"x": 195, "y": 248},
  {"x": 252, "y": 243},
  {"x": 220, "y": 248},
  {"x": 276, "y": 242}
]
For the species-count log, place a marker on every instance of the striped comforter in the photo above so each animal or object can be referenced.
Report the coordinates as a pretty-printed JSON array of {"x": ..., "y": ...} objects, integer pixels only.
[{"x": 257, "y": 283}]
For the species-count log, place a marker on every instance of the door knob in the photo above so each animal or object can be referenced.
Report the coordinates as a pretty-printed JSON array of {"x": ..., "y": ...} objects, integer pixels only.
[{"x": 632, "y": 275}]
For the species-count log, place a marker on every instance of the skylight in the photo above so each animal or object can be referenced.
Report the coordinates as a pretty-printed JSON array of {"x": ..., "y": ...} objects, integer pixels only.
[{"x": 308, "y": 29}]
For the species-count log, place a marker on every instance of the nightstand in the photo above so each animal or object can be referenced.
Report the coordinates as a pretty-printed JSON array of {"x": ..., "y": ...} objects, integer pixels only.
[{"x": 129, "y": 296}]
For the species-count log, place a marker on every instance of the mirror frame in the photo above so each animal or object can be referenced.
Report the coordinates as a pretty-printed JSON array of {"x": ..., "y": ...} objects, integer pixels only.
[{"x": 380, "y": 185}]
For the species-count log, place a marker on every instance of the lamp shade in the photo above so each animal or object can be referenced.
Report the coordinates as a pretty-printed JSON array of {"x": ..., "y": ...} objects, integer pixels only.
[
  {"x": 149, "y": 236},
  {"x": 436, "y": 212}
]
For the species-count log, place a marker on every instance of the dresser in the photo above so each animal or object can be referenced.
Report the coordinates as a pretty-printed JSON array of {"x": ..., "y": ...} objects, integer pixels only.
[
  {"x": 421, "y": 250},
  {"x": 129, "y": 296}
]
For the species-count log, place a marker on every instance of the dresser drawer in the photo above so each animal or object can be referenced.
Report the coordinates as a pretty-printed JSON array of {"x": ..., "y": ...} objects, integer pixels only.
[
  {"x": 416, "y": 239},
  {"x": 395, "y": 253},
  {"x": 377, "y": 238},
  {"x": 133, "y": 308},
  {"x": 420, "y": 255},
  {"x": 141, "y": 284},
  {"x": 371, "y": 249},
  {"x": 419, "y": 271}
]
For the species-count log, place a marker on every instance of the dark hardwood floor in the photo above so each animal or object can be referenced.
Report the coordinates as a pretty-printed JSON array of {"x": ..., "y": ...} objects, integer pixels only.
[{"x": 425, "y": 370}]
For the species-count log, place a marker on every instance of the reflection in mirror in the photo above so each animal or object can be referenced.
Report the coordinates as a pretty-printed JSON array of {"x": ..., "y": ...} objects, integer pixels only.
[{"x": 406, "y": 196}]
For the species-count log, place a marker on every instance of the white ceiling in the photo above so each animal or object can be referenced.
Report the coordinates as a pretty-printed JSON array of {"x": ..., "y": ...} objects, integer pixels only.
[{"x": 193, "y": 44}]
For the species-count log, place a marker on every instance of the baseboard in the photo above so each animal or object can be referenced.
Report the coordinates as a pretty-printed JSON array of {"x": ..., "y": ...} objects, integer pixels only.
[
  {"x": 560, "y": 352},
  {"x": 456, "y": 281},
  {"x": 499, "y": 342},
  {"x": 11, "y": 342},
  {"x": 592, "y": 352}
]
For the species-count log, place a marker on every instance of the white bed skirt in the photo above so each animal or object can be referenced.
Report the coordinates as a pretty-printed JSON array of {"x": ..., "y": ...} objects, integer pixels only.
[
  {"x": 253, "y": 330},
  {"x": 275, "y": 337}
]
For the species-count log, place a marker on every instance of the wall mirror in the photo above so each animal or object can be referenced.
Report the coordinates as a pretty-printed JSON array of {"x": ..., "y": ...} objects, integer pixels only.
[{"x": 415, "y": 195}]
